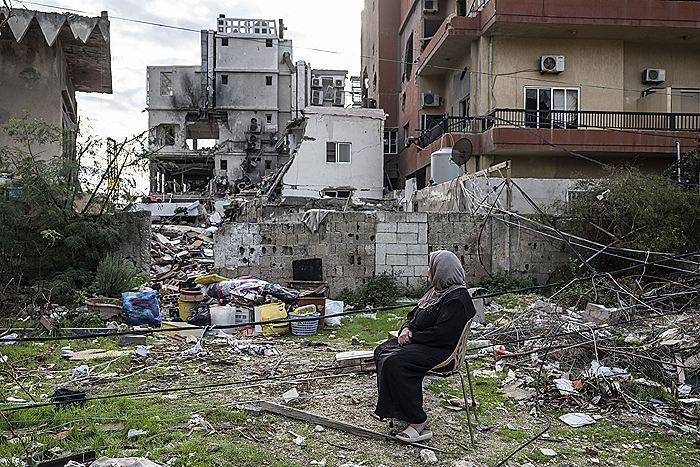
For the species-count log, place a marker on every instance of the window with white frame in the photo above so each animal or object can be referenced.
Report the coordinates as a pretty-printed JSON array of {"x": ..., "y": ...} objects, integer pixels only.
[
  {"x": 338, "y": 153},
  {"x": 391, "y": 141},
  {"x": 551, "y": 107}
]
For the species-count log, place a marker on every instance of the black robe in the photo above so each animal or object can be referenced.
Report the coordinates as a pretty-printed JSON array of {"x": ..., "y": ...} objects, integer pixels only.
[{"x": 401, "y": 369}]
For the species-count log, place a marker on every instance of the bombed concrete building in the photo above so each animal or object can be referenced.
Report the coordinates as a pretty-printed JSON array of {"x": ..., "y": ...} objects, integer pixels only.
[
  {"x": 45, "y": 58},
  {"x": 219, "y": 127}
]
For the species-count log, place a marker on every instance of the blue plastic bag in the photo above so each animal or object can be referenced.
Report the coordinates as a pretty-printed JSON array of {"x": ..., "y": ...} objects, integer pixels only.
[{"x": 142, "y": 308}]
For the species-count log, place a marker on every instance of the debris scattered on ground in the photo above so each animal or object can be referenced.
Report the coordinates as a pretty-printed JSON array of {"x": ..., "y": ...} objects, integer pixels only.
[{"x": 576, "y": 420}]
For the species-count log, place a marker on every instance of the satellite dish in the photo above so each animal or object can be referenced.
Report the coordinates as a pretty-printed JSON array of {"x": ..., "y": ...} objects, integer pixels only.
[{"x": 461, "y": 151}]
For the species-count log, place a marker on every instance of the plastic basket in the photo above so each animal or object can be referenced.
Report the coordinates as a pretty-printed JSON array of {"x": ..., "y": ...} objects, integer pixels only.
[{"x": 304, "y": 328}]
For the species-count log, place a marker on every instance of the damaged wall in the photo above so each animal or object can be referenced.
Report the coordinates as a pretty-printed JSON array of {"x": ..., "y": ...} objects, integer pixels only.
[
  {"x": 354, "y": 246},
  {"x": 311, "y": 172}
]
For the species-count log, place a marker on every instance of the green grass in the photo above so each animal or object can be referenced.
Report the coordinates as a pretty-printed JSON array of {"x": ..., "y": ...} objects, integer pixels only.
[{"x": 367, "y": 329}]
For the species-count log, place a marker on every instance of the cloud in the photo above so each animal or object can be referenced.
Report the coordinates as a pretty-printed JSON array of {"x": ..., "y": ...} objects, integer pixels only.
[{"x": 311, "y": 24}]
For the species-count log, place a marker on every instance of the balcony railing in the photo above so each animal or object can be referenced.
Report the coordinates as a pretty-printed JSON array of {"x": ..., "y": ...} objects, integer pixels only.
[
  {"x": 563, "y": 119},
  {"x": 575, "y": 119}
]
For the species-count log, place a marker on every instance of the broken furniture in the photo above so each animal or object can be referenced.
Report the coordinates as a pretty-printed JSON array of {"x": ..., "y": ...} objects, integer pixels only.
[{"x": 451, "y": 366}]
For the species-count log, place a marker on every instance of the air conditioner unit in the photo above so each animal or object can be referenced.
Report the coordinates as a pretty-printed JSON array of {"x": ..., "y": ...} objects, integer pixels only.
[
  {"x": 339, "y": 83},
  {"x": 653, "y": 76},
  {"x": 430, "y": 6},
  {"x": 315, "y": 82},
  {"x": 339, "y": 100},
  {"x": 551, "y": 63},
  {"x": 317, "y": 97},
  {"x": 428, "y": 99},
  {"x": 253, "y": 143}
]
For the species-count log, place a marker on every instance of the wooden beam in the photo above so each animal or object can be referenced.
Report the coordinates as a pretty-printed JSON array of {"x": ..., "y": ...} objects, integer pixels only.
[{"x": 335, "y": 424}]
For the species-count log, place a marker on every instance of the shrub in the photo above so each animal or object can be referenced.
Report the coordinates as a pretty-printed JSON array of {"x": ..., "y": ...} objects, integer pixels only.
[
  {"x": 503, "y": 281},
  {"x": 380, "y": 290},
  {"x": 636, "y": 211},
  {"x": 114, "y": 276}
]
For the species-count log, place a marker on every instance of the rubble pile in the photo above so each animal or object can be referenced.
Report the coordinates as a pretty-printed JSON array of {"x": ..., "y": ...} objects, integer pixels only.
[
  {"x": 179, "y": 253},
  {"x": 642, "y": 356}
]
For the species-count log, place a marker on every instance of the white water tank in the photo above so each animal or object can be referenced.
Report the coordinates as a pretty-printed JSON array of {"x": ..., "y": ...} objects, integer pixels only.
[{"x": 442, "y": 168}]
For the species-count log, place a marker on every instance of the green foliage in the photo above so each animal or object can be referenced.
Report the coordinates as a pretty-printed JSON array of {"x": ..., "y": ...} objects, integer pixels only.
[
  {"x": 115, "y": 275},
  {"x": 380, "y": 290},
  {"x": 633, "y": 210},
  {"x": 86, "y": 320},
  {"x": 65, "y": 286},
  {"x": 57, "y": 217},
  {"x": 503, "y": 281},
  {"x": 690, "y": 168}
]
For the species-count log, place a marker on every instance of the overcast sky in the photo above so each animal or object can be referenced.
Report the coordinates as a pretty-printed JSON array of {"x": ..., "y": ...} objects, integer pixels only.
[{"x": 322, "y": 24}]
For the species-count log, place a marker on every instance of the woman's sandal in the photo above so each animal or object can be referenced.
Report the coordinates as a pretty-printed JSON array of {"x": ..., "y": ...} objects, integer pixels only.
[{"x": 411, "y": 435}]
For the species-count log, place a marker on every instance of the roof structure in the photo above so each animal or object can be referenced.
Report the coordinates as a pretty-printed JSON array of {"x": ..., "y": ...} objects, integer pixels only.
[{"x": 84, "y": 40}]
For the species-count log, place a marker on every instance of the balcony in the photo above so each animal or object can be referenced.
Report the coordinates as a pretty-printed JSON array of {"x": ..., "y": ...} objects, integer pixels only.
[{"x": 520, "y": 131}]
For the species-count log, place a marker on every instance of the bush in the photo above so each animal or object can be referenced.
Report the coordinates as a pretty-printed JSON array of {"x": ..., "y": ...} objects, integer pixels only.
[
  {"x": 636, "y": 211},
  {"x": 381, "y": 290},
  {"x": 503, "y": 281},
  {"x": 114, "y": 276}
]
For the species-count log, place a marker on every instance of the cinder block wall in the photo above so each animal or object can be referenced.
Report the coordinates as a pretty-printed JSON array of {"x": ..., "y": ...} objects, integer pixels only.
[{"x": 355, "y": 246}]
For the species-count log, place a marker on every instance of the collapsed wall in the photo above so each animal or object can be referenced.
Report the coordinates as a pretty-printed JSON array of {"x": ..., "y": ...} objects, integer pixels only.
[{"x": 354, "y": 246}]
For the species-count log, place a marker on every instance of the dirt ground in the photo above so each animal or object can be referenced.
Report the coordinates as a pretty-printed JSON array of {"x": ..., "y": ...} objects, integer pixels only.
[{"x": 168, "y": 391}]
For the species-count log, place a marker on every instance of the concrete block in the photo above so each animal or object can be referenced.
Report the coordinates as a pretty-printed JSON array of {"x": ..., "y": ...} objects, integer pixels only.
[
  {"x": 421, "y": 271},
  {"x": 417, "y": 260},
  {"x": 396, "y": 260},
  {"x": 386, "y": 238},
  {"x": 422, "y": 230},
  {"x": 405, "y": 227},
  {"x": 397, "y": 248},
  {"x": 418, "y": 249},
  {"x": 407, "y": 238},
  {"x": 402, "y": 271},
  {"x": 380, "y": 253},
  {"x": 384, "y": 227},
  {"x": 382, "y": 269}
]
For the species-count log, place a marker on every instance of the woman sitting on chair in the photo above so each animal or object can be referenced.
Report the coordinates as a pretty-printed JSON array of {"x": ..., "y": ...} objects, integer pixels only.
[{"x": 428, "y": 337}]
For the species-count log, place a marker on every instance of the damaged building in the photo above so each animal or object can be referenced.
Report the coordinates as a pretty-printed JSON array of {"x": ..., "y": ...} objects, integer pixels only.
[
  {"x": 45, "y": 58},
  {"x": 219, "y": 127}
]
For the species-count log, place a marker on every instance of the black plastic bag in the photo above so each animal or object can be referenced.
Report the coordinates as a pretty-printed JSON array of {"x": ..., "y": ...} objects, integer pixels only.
[{"x": 200, "y": 316}]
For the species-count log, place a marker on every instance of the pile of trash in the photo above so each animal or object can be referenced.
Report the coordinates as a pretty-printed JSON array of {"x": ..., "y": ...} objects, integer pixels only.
[{"x": 179, "y": 252}]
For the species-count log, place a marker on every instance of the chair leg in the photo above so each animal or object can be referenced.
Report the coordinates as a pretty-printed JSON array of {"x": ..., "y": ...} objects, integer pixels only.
[
  {"x": 466, "y": 408},
  {"x": 471, "y": 391}
]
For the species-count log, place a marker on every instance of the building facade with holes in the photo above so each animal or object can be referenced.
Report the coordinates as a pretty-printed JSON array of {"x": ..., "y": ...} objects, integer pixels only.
[
  {"x": 219, "y": 126},
  {"x": 45, "y": 58},
  {"x": 540, "y": 82}
]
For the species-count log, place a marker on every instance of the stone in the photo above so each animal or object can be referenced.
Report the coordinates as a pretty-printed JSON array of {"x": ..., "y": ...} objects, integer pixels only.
[{"x": 428, "y": 457}]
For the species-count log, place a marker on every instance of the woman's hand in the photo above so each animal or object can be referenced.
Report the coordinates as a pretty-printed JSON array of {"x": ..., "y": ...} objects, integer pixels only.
[{"x": 405, "y": 336}]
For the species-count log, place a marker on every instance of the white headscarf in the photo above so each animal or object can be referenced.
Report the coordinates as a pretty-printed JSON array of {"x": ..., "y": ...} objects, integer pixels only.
[{"x": 447, "y": 275}]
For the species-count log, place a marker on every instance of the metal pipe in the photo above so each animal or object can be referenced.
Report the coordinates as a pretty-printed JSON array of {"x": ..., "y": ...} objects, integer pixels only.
[{"x": 678, "y": 160}]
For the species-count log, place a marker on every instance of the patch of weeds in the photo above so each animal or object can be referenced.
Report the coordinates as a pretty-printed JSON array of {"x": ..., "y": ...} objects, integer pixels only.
[
  {"x": 380, "y": 290},
  {"x": 503, "y": 281},
  {"x": 115, "y": 275},
  {"x": 86, "y": 320}
]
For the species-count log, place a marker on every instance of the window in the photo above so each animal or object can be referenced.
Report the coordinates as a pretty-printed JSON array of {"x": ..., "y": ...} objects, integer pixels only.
[
  {"x": 551, "y": 107},
  {"x": 462, "y": 7},
  {"x": 223, "y": 164},
  {"x": 391, "y": 141},
  {"x": 268, "y": 42},
  {"x": 268, "y": 80},
  {"x": 408, "y": 58},
  {"x": 338, "y": 153},
  {"x": 224, "y": 41},
  {"x": 166, "y": 134},
  {"x": 224, "y": 79},
  {"x": 685, "y": 100},
  {"x": 268, "y": 165},
  {"x": 268, "y": 118},
  {"x": 166, "y": 83},
  {"x": 406, "y": 134}
]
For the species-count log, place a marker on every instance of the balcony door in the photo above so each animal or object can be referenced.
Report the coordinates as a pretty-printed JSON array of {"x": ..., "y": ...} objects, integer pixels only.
[{"x": 550, "y": 107}]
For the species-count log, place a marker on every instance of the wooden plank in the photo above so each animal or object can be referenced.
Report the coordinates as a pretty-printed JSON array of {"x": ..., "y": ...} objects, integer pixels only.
[{"x": 335, "y": 424}]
